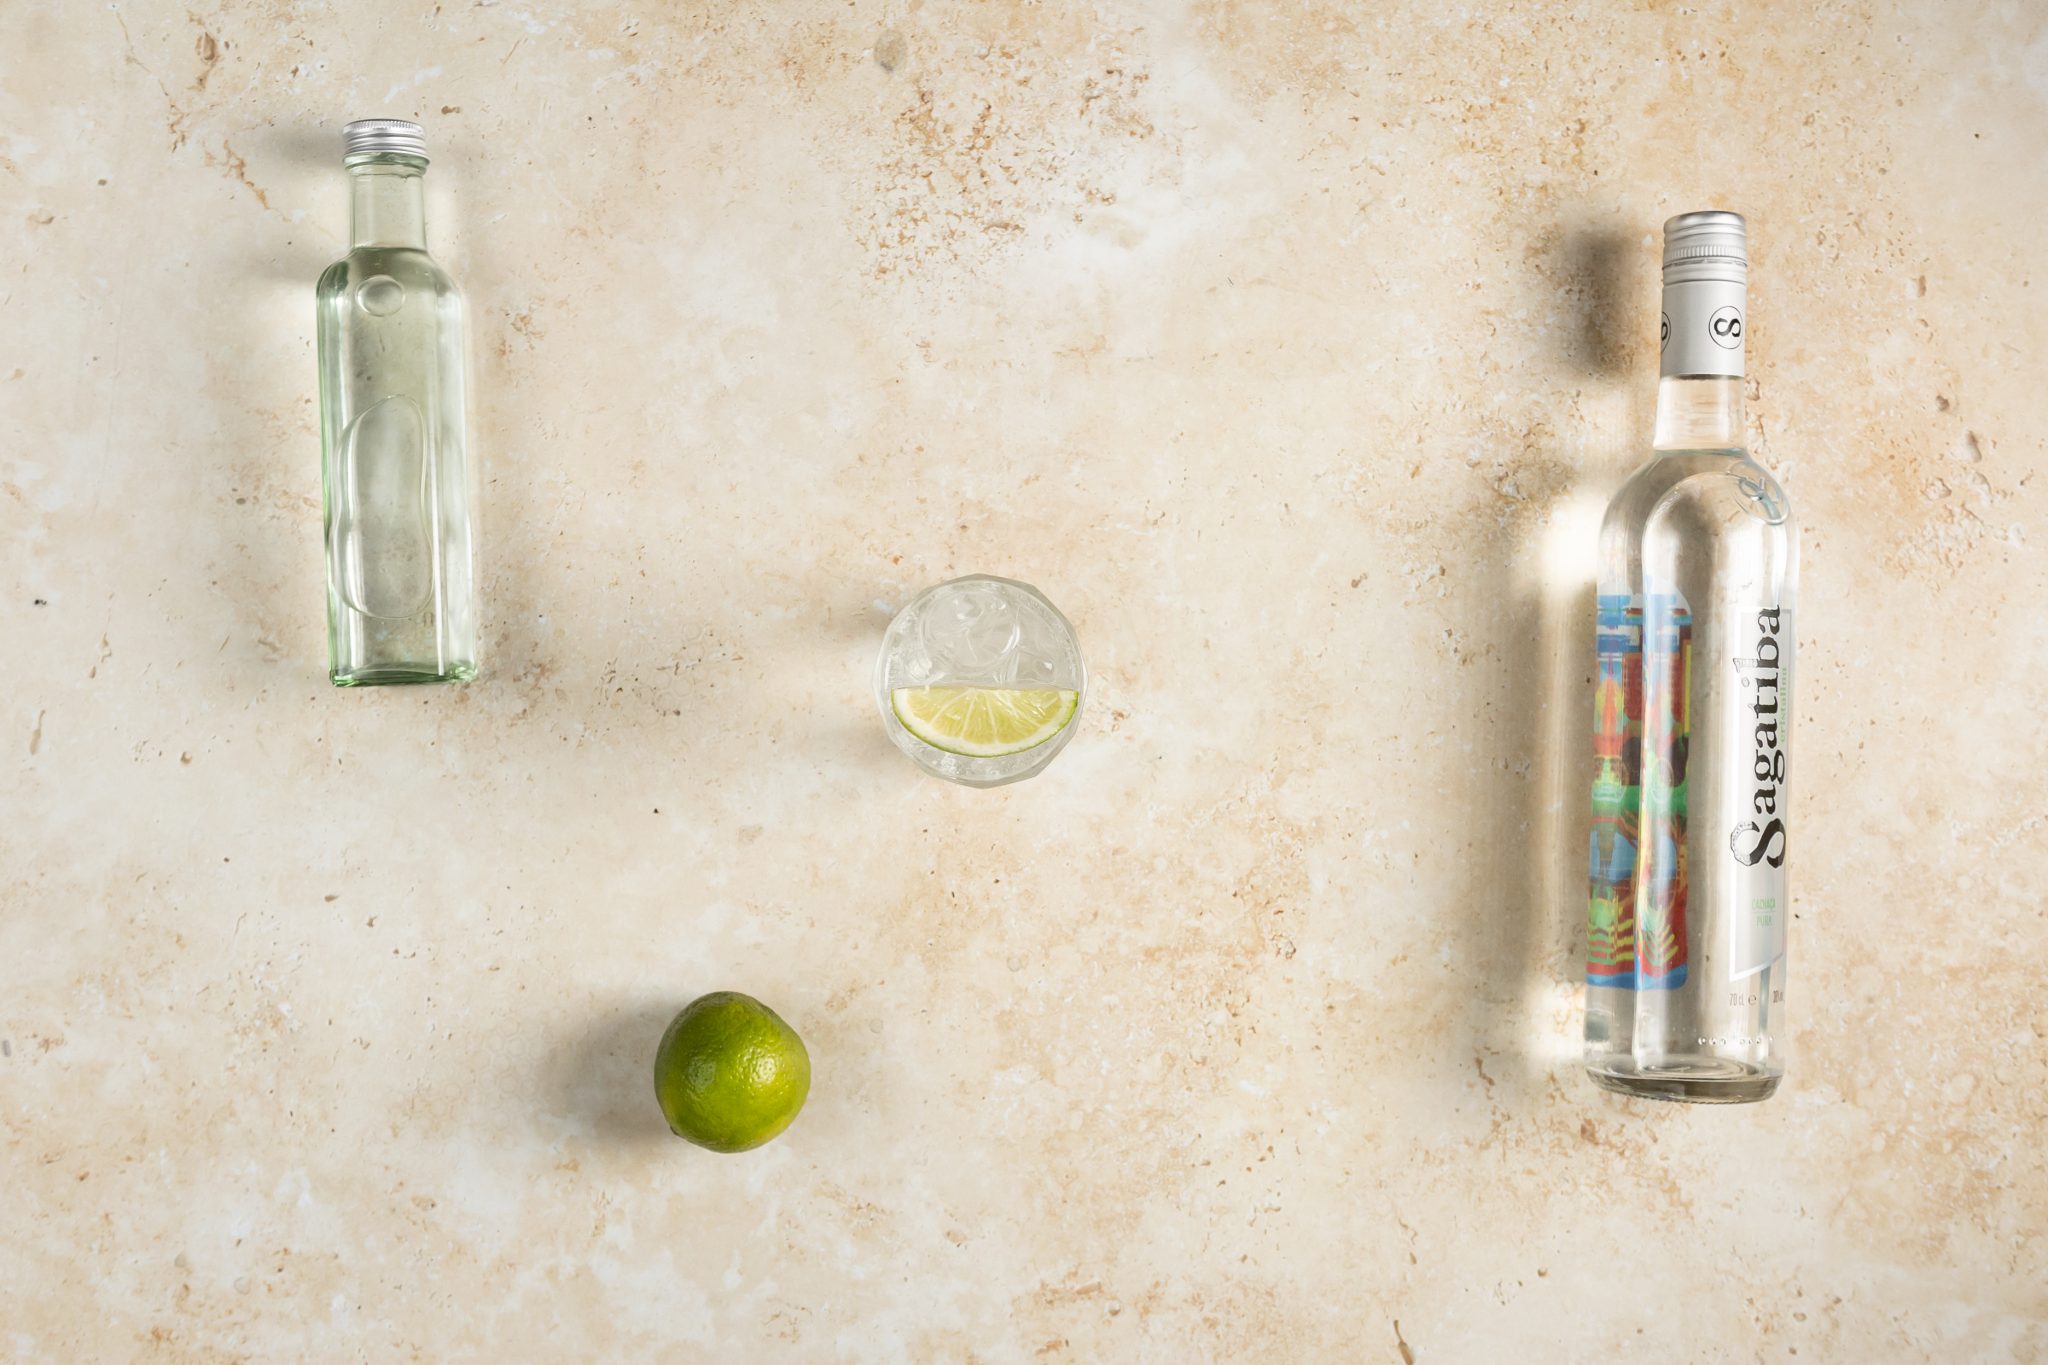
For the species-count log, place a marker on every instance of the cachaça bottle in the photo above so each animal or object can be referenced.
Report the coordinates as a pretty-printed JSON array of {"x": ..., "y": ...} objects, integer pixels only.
[
  {"x": 401, "y": 596},
  {"x": 1685, "y": 969}
]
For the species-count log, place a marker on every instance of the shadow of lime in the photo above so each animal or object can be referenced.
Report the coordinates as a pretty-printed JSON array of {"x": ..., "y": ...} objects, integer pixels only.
[{"x": 601, "y": 1080}]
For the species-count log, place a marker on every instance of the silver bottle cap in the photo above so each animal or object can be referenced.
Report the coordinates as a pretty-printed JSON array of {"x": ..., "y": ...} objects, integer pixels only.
[
  {"x": 1706, "y": 289},
  {"x": 1710, "y": 244},
  {"x": 383, "y": 136}
]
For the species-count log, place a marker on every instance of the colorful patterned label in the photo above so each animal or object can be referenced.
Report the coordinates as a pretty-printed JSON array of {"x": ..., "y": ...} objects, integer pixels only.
[{"x": 1642, "y": 723}]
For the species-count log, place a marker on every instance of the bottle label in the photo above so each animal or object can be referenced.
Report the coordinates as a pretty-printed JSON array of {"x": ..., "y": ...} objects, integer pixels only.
[
  {"x": 1758, "y": 837},
  {"x": 1703, "y": 327},
  {"x": 1636, "y": 931}
]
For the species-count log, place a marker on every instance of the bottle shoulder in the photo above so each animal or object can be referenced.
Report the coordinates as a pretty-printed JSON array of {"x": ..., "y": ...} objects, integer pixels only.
[
  {"x": 1716, "y": 489},
  {"x": 410, "y": 266}
]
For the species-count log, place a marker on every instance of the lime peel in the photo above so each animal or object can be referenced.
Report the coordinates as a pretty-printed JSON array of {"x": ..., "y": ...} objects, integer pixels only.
[{"x": 729, "y": 1073}]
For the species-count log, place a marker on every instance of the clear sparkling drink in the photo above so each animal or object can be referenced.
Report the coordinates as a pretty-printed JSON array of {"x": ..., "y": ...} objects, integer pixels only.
[{"x": 980, "y": 681}]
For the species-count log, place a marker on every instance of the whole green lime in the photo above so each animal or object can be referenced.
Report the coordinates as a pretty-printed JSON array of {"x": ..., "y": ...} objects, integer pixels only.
[{"x": 730, "y": 1074}]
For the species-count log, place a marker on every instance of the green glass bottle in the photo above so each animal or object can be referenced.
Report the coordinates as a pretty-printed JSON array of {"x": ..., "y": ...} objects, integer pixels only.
[{"x": 400, "y": 491}]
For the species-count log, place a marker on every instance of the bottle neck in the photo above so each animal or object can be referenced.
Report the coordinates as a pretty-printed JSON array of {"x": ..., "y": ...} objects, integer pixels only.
[
  {"x": 387, "y": 203},
  {"x": 1701, "y": 353},
  {"x": 1699, "y": 412}
]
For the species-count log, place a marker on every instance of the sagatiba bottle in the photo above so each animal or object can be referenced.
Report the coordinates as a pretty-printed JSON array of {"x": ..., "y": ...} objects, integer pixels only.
[{"x": 1685, "y": 962}]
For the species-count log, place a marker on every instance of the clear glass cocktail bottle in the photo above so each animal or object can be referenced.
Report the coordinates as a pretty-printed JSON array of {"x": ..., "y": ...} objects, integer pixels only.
[
  {"x": 400, "y": 493},
  {"x": 980, "y": 680},
  {"x": 1699, "y": 556}
]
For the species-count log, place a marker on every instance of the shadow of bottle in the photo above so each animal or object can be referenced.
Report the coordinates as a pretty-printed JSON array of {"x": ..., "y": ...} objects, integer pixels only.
[
  {"x": 305, "y": 187},
  {"x": 262, "y": 542},
  {"x": 1532, "y": 887}
]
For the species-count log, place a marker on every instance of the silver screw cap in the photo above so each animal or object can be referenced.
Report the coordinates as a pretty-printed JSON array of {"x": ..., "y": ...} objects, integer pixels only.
[
  {"x": 1709, "y": 244},
  {"x": 387, "y": 136}
]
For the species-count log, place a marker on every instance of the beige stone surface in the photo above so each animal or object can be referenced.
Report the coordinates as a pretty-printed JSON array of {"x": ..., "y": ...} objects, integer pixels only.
[{"x": 1292, "y": 347}]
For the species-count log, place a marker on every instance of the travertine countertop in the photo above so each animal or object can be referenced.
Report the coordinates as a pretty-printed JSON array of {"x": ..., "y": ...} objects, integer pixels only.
[{"x": 1292, "y": 348}]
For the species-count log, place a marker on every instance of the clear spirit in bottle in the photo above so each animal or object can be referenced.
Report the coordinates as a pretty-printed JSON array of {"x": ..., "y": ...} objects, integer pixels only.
[
  {"x": 1699, "y": 555},
  {"x": 401, "y": 596}
]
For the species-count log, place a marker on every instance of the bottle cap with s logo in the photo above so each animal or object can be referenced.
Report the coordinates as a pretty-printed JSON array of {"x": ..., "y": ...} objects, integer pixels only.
[{"x": 1706, "y": 281}]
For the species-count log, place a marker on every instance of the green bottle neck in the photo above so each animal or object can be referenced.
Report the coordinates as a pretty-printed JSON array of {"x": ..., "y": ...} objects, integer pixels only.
[{"x": 388, "y": 203}]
